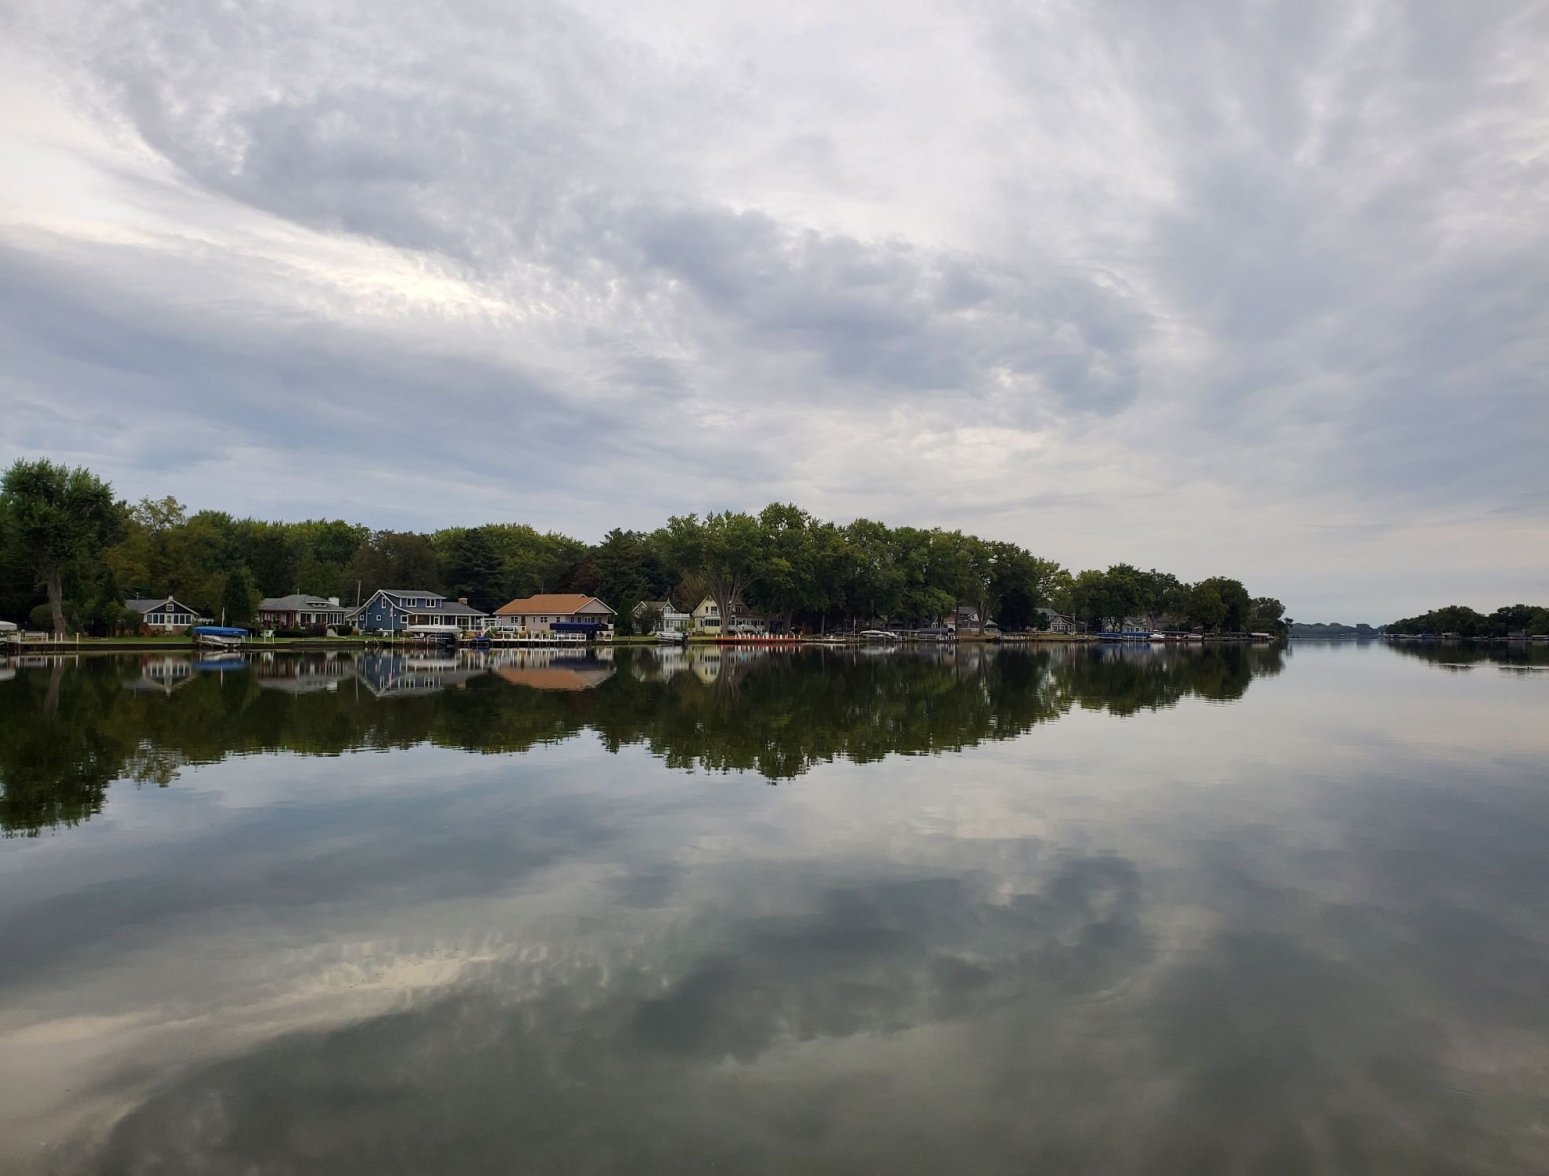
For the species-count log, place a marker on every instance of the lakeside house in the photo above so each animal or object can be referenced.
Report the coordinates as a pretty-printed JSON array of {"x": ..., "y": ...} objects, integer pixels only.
[
  {"x": 707, "y": 619},
  {"x": 672, "y": 619},
  {"x": 1058, "y": 622},
  {"x": 555, "y": 612},
  {"x": 300, "y": 611},
  {"x": 164, "y": 614},
  {"x": 392, "y": 610}
]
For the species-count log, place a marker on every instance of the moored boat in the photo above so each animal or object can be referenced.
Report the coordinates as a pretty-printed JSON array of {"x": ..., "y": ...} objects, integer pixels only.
[
  {"x": 218, "y": 636},
  {"x": 433, "y": 634}
]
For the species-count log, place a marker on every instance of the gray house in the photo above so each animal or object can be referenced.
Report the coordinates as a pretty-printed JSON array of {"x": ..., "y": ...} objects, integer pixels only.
[
  {"x": 392, "y": 610},
  {"x": 163, "y": 613},
  {"x": 299, "y": 611}
]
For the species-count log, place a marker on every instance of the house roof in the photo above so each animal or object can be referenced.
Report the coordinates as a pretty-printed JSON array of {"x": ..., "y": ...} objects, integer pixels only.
[
  {"x": 145, "y": 604},
  {"x": 736, "y": 609},
  {"x": 453, "y": 606},
  {"x": 549, "y": 602},
  {"x": 410, "y": 592},
  {"x": 296, "y": 601},
  {"x": 438, "y": 604}
]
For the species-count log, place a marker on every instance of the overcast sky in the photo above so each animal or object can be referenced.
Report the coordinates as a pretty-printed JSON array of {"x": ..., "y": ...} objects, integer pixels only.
[{"x": 1250, "y": 289}]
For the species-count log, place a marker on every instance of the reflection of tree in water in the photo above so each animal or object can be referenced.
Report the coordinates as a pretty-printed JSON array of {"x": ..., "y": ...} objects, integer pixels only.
[
  {"x": 775, "y": 714},
  {"x": 1124, "y": 680},
  {"x": 56, "y": 757},
  {"x": 1461, "y": 655}
]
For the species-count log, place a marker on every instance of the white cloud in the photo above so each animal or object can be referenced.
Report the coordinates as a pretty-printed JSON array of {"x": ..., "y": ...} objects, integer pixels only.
[{"x": 1181, "y": 286}]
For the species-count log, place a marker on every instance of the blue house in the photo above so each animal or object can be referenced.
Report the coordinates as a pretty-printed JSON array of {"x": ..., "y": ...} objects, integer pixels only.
[{"x": 391, "y": 610}]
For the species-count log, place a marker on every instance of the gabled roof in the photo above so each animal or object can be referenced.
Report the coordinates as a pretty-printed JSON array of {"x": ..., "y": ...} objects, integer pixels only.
[
  {"x": 737, "y": 608},
  {"x": 548, "y": 602},
  {"x": 438, "y": 603},
  {"x": 297, "y": 601},
  {"x": 453, "y": 606},
  {"x": 146, "y": 604},
  {"x": 665, "y": 607}
]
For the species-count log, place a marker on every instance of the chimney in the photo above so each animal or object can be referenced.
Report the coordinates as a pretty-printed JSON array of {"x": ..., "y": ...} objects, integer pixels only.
[
  {"x": 462, "y": 600},
  {"x": 334, "y": 600}
]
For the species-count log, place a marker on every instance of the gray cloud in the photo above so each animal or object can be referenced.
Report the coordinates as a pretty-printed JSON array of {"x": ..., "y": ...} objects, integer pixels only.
[{"x": 1182, "y": 261}]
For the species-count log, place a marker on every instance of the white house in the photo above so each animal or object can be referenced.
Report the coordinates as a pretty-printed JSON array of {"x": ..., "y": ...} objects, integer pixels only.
[
  {"x": 672, "y": 620},
  {"x": 1058, "y": 622},
  {"x": 163, "y": 614},
  {"x": 556, "y": 612}
]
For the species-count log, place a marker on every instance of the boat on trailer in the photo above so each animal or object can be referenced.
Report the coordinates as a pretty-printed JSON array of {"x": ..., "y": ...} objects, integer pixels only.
[{"x": 219, "y": 636}]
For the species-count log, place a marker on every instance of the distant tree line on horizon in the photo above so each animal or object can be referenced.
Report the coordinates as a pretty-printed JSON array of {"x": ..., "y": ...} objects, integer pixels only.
[
  {"x": 1527, "y": 619},
  {"x": 70, "y": 554}
]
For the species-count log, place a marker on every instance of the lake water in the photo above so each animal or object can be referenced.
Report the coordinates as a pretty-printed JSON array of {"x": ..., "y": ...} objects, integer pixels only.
[{"x": 991, "y": 911}]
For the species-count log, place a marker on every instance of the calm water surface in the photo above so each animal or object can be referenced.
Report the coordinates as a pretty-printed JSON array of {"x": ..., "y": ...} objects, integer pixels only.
[{"x": 1122, "y": 911}]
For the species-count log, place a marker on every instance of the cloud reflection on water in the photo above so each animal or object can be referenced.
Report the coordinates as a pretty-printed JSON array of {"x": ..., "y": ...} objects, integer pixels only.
[{"x": 1210, "y": 939}]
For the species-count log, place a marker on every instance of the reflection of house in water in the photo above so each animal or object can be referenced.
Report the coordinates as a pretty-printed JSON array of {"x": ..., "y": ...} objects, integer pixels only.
[
  {"x": 708, "y": 663},
  {"x": 161, "y": 675},
  {"x": 303, "y": 675},
  {"x": 551, "y": 669},
  {"x": 395, "y": 675},
  {"x": 660, "y": 664}
]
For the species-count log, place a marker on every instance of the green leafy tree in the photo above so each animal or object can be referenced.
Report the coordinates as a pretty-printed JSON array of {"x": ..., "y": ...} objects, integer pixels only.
[
  {"x": 1266, "y": 615},
  {"x": 397, "y": 559},
  {"x": 239, "y": 597},
  {"x": 58, "y": 516},
  {"x": 471, "y": 566},
  {"x": 1205, "y": 608},
  {"x": 1236, "y": 604}
]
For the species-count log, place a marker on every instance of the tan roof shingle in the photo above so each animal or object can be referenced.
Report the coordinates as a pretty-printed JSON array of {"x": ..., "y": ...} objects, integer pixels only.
[{"x": 555, "y": 603}]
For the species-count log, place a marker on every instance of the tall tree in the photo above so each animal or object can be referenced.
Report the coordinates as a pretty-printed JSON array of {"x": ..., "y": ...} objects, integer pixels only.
[
  {"x": 239, "y": 597},
  {"x": 58, "y": 515},
  {"x": 733, "y": 548}
]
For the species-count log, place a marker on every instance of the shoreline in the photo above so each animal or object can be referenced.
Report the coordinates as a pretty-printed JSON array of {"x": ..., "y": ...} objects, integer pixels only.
[{"x": 87, "y": 645}]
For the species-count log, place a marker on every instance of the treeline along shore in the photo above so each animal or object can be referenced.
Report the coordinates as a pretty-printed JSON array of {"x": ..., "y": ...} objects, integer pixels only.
[
  {"x": 1509, "y": 622},
  {"x": 72, "y": 553}
]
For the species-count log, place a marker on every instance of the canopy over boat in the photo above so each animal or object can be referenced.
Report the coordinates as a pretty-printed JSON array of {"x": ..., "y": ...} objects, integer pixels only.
[{"x": 217, "y": 631}]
